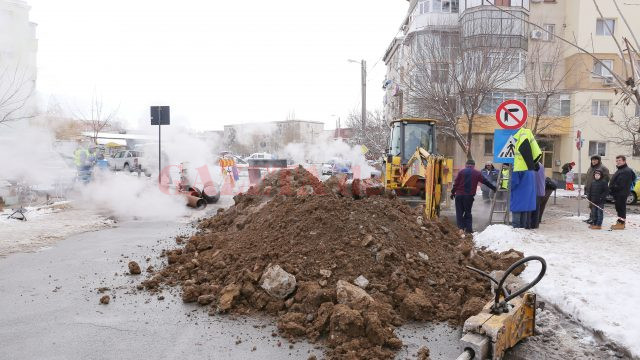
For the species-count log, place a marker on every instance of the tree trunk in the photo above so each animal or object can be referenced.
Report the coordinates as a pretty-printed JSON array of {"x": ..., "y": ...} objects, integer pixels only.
[{"x": 469, "y": 137}]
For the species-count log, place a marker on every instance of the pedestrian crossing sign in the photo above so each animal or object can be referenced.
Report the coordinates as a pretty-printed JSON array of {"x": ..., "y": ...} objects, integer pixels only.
[{"x": 504, "y": 146}]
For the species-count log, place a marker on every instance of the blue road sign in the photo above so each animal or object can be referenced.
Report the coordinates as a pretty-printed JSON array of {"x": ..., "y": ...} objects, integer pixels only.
[{"x": 504, "y": 146}]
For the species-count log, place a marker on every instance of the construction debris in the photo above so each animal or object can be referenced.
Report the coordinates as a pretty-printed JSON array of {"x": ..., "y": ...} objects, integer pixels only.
[
  {"x": 104, "y": 300},
  {"x": 296, "y": 257},
  {"x": 134, "y": 268}
]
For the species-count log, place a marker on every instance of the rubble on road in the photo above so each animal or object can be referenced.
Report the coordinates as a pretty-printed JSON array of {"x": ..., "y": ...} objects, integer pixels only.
[
  {"x": 297, "y": 257},
  {"x": 134, "y": 268}
]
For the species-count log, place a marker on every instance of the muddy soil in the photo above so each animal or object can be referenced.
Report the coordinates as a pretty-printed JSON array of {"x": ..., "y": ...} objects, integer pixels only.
[{"x": 406, "y": 268}]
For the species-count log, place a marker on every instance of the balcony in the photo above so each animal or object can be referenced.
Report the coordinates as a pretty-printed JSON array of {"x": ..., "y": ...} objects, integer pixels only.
[{"x": 485, "y": 25}]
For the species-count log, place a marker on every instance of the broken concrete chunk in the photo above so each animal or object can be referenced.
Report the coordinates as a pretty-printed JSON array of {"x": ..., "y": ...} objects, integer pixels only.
[
  {"x": 423, "y": 256},
  {"x": 325, "y": 273},
  {"x": 105, "y": 300},
  {"x": 361, "y": 281},
  {"x": 277, "y": 282},
  {"x": 348, "y": 294}
]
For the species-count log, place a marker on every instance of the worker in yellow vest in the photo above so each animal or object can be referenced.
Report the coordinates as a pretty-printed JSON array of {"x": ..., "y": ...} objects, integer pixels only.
[
  {"x": 528, "y": 152},
  {"x": 504, "y": 184},
  {"x": 523, "y": 180}
]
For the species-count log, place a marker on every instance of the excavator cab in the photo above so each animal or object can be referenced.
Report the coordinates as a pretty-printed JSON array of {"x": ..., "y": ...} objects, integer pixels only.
[
  {"x": 407, "y": 135},
  {"x": 412, "y": 169}
]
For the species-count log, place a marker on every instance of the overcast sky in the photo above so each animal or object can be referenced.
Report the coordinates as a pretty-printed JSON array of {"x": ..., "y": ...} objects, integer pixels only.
[{"x": 215, "y": 62}]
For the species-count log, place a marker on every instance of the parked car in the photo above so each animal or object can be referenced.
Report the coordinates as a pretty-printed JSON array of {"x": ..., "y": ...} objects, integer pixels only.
[
  {"x": 126, "y": 160},
  {"x": 337, "y": 166},
  {"x": 259, "y": 156}
]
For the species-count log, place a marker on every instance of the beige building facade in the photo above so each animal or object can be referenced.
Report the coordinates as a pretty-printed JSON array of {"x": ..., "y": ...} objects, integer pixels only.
[{"x": 582, "y": 97}]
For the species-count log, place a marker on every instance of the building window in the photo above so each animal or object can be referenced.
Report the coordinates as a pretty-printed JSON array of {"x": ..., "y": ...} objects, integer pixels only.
[
  {"x": 424, "y": 6},
  {"x": 438, "y": 6},
  {"x": 488, "y": 145},
  {"x": 547, "y": 71},
  {"x": 601, "y": 71},
  {"x": 597, "y": 148},
  {"x": 550, "y": 30},
  {"x": 565, "y": 105},
  {"x": 439, "y": 72},
  {"x": 605, "y": 27},
  {"x": 600, "y": 107}
]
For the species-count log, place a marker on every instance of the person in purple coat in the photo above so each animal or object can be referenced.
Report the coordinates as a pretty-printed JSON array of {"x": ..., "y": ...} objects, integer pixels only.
[
  {"x": 536, "y": 215},
  {"x": 464, "y": 191}
]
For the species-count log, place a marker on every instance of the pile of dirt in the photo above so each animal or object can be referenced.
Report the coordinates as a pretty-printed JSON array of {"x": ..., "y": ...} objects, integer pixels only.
[
  {"x": 289, "y": 182},
  {"x": 333, "y": 269}
]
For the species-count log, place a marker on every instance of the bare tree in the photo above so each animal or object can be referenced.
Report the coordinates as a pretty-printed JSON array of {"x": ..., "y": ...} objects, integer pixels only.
[
  {"x": 449, "y": 80},
  {"x": 374, "y": 136},
  {"x": 545, "y": 78},
  {"x": 627, "y": 133},
  {"x": 96, "y": 117},
  {"x": 16, "y": 89},
  {"x": 625, "y": 82}
]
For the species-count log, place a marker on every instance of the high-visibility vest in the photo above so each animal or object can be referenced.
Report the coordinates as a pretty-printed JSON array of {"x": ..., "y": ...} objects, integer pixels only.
[
  {"x": 525, "y": 134},
  {"x": 80, "y": 157},
  {"x": 505, "y": 179}
]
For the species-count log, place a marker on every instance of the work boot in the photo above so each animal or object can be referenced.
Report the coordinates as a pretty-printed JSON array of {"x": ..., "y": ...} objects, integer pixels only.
[
  {"x": 595, "y": 227},
  {"x": 588, "y": 221},
  {"x": 617, "y": 226}
]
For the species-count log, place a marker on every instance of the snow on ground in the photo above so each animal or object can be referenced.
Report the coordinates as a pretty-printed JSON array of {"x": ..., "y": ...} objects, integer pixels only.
[
  {"x": 592, "y": 275},
  {"x": 44, "y": 226}
]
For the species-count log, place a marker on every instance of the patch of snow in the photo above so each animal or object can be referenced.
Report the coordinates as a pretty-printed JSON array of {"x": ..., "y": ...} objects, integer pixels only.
[
  {"x": 45, "y": 226},
  {"x": 591, "y": 274}
]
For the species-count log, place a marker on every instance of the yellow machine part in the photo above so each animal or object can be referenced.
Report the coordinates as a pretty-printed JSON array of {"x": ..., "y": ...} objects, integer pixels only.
[
  {"x": 421, "y": 166},
  {"x": 502, "y": 330}
]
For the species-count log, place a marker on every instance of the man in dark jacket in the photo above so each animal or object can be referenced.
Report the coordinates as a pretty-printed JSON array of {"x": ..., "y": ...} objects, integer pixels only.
[
  {"x": 620, "y": 187},
  {"x": 490, "y": 173},
  {"x": 464, "y": 190},
  {"x": 598, "y": 191},
  {"x": 596, "y": 164}
]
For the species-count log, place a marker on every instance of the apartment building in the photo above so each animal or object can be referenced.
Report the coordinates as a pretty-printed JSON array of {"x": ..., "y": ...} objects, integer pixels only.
[
  {"x": 272, "y": 137},
  {"x": 18, "y": 50},
  {"x": 564, "y": 89}
]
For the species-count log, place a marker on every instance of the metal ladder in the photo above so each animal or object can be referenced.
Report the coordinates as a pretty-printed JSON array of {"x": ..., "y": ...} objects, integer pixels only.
[{"x": 501, "y": 198}]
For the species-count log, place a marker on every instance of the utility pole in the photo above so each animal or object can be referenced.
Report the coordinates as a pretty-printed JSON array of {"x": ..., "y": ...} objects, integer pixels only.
[
  {"x": 363, "y": 76},
  {"x": 363, "y": 64}
]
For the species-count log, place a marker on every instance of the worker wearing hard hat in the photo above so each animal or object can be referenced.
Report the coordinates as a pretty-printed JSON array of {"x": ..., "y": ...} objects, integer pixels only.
[{"x": 523, "y": 179}]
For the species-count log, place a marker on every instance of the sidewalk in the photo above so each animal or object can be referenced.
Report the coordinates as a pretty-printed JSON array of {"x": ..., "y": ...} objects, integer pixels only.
[{"x": 591, "y": 275}]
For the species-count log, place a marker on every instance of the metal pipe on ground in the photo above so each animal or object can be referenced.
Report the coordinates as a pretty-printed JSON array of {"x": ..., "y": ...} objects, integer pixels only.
[{"x": 195, "y": 202}]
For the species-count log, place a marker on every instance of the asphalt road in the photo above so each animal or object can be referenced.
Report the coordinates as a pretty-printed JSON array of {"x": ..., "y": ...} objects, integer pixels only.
[{"x": 49, "y": 308}]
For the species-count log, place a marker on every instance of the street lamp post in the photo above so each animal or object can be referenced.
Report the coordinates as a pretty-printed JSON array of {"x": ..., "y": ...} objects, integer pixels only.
[{"x": 363, "y": 75}]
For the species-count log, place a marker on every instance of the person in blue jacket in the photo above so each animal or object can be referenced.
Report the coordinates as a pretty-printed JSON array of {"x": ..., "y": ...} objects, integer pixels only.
[{"x": 464, "y": 191}]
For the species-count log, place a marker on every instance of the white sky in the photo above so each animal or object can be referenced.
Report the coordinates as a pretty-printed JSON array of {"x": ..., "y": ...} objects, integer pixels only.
[{"x": 215, "y": 62}]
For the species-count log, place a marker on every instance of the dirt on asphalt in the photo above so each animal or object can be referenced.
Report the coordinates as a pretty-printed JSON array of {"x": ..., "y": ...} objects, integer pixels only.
[{"x": 299, "y": 257}]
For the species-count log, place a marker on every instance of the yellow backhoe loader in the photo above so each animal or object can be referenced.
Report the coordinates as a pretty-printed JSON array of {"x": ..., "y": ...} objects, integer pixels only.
[{"x": 412, "y": 169}]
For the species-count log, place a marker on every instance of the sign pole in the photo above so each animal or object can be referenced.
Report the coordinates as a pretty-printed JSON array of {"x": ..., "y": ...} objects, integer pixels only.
[
  {"x": 159, "y": 154},
  {"x": 160, "y": 115},
  {"x": 579, "y": 145}
]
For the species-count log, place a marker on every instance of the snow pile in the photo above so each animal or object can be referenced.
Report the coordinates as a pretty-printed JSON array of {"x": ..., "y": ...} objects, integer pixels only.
[
  {"x": 44, "y": 226},
  {"x": 591, "y": 275}
]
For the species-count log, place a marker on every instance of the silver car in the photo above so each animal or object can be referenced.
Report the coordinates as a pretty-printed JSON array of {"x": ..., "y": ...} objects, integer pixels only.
[{"x": 126, "y": 160}]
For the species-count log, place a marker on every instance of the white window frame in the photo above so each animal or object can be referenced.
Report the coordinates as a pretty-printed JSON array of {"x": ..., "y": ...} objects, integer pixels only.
[
  {"x": 603, "y": 30},
  {"x": 551, "y": 30},
  {"x": 597, "y": 105},
  {"x": 600, "y": 148},
  {"x": 424, "y": 7},
  {"x": 600, "y": 71}
]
